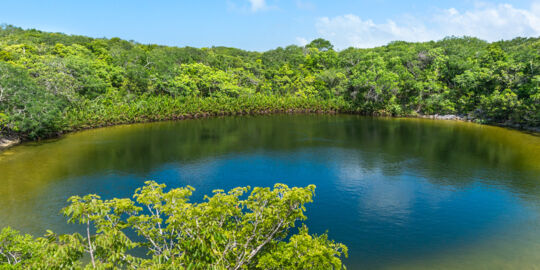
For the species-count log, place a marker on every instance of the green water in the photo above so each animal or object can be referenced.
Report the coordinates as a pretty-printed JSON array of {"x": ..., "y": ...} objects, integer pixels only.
[{"x": 400, "y": 193}]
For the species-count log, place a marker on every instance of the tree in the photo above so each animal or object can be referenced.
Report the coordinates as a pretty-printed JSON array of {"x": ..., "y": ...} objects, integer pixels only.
[
  {"x": 229, "y": 230},
  {"x": 373, "y": 85},
  {"x": 25, "y": 107},
  {"x": 321, "y": 44},
  {"x": 111, "y": 81}
]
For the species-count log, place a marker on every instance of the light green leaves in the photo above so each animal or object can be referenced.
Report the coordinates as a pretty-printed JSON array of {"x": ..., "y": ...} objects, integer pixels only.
[
  {"x": 201, "y": 80},
  {"x": 304, "y": 251},
  {"x": 237, "y": 229},
  {"x": 51, "y": 252},
  {"x": 3, "y": 120}
]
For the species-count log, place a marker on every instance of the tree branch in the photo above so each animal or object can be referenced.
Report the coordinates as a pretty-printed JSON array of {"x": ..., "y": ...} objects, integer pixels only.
[{"x": 90, "y": 248}]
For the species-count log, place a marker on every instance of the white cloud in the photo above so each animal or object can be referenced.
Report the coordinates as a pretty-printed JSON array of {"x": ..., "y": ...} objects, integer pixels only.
[
  {"x": 249, "y": 6},
  {"x": 301, "y": 41},
  {"x": 489, "y": 22},
  {"x": 351, "y": 30},
  {"x": 257, "y": 5}
]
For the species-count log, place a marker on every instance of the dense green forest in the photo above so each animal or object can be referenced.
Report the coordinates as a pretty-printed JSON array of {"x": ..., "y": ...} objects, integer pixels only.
[{"x": 52, "y": 83}]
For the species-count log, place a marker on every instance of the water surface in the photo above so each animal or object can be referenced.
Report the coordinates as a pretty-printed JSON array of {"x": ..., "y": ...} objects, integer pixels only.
[{"x": 400, "y": 193}]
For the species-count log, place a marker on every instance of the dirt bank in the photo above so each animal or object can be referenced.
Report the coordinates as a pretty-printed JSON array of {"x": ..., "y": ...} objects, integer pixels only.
[{"x": 8, "y": 142}]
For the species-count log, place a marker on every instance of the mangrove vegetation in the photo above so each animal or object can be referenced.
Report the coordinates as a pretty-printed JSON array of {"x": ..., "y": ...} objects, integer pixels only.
[{"x": 52, "y": 83}]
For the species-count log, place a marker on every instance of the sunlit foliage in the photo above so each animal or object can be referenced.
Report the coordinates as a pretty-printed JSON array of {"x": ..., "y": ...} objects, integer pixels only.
[
  {"x": 53, "y": 83},
  {"x": 243, "y": 228}
]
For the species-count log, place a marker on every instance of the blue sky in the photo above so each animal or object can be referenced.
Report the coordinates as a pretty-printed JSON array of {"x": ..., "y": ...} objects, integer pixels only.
[{"x": 267, "y": 24}]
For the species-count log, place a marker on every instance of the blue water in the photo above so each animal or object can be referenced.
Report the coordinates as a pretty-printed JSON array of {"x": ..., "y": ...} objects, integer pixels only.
[{"x": 393, "y": 191}]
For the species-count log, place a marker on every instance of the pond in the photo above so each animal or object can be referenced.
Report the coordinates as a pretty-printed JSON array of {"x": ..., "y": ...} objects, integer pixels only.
[{"x": 400, "y": 193}]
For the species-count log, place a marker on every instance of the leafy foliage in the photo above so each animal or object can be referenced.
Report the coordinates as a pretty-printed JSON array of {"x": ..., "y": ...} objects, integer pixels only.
[
  {"x": 229, "y": 230},
  {"x": 52, "y": 83},
  {"x": 25, "y": 107}
]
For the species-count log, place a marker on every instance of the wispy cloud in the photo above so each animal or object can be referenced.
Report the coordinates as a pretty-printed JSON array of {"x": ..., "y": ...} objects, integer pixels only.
[
  {"x": 257, "y": 5},
  {"x": 249, "y": 6},
  {"x": 301, "y": 41},
  {"x": 489, "y": 22}
]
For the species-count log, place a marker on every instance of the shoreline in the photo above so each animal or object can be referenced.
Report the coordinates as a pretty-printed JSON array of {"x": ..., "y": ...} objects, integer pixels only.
[
  {"x": 528, "y": 129},
  {"x": 8, "y": 142}
]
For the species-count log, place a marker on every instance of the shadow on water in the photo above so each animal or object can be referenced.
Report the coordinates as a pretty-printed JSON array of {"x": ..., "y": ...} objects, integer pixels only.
[{"x": 394, "y": 190}]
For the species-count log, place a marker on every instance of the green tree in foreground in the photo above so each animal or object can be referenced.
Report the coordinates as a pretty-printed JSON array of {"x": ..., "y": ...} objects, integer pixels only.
[{"x": 229, "y": 230}]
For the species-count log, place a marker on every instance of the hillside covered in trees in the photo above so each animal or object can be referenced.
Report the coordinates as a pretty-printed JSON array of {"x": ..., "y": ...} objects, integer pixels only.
[{"x": 52, "y": 83}]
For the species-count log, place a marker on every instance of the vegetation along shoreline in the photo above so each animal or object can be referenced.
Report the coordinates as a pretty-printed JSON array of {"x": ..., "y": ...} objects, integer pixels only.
[{"x": 53, "y": 83}]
